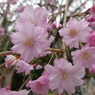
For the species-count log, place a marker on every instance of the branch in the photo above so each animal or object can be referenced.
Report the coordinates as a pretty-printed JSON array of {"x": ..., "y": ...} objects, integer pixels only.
[{"x": 5, "y": 53}]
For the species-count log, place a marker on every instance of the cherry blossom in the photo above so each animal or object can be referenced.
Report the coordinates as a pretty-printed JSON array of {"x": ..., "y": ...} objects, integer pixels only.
[
  {"x": 11, "y": 60},
  {"x": 37, "y": 17},
  {"x": 22, "y": 66},
  {"x": 75, "y": 31},
  {"x": 64, "y": 76},
  {"x": 91, "y": 39},
  {"x": 39, "y": 86},
  {"x": 92, "y": 69},
  {"x": 30, "y": 42},
  {"x": 85, "y": 56}
]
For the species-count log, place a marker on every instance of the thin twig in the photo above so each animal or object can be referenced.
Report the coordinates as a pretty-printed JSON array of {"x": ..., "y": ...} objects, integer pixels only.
[
  {"x": 5, "y": 53},
  {"x": 51, "y": 58},
  {"x": 56, "y": 50},
  {"x": 64, "y": 25},
  {"x": 24, "y": 83}
]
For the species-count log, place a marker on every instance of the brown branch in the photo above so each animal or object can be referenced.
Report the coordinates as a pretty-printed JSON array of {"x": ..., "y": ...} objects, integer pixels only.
[
  {"x": 56, "y": 50},
  {"x": 5, "y": 53}
]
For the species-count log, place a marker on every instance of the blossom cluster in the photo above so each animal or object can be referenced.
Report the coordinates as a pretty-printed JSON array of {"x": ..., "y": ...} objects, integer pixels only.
[{"x": 31, "y": 40}]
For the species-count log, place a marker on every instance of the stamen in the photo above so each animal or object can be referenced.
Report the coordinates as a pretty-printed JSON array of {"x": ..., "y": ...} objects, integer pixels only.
[
  {"x": 28, "y": 42},
  {"x": 33, "y": 22},
  {"x": 65, "y": 74},
  {"x": 85, "y": 55},
  {"x": 73, "y": 32}
]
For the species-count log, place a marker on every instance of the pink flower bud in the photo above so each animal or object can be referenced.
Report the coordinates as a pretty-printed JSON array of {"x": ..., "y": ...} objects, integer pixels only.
[
  {"x": 91, "y": 18},
  {"x": 91, "y": 39},
  {"x": 92, "y": 70},
  {"x": 92, "y": 10}
]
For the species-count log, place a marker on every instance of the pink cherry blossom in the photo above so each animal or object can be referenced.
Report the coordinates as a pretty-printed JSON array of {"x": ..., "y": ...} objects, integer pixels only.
[
  {"x": 51, "y": 39},
  {"x": 30, "y": 42},
  {"x": 39, "y": 86},
  {"x": 38, "y": 67},
  {"x": 64, "y": 76},
  {"x": 4, "y": 91},
  {"x": 21, "y": 92},
  {"x": 20, "y": 9},
  {"x": 92, "y": 10},
  {"x": 37, "y": 17},
  {"x": 92, "y": 69},
  {"x": 91, "y": 39},
  {"x": 85, "y": 56},
  {"x": 11, "y": 60},
  {"x": 91, "y": 18},
  {"x": 75, "y": 31},
  {"x": 22, "y": 66}
]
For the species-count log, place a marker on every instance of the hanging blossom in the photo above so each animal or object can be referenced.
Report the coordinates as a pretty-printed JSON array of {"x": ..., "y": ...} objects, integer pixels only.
[
  {"x": 75, "y": 31},
  {"x": 92, "y": 69},
  {"x": 22, "y": 66},
  {"x": 30, "y": 42},
  {"x": 11, "y": 60},
  {"x": 37, "y": 17},
  {"x": 63, "y": 76},
  {"x": 39, "y": 86},
  {"x": 85, "y": 56},
  {"x": 91, "y": 39},
  {"x": 4, "y": 91}
]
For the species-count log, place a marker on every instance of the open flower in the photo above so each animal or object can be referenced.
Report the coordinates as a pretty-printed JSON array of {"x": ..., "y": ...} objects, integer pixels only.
[
  {"x": 30, "y": 42},
  {"x": 85, "y": 56},
  {"x": 64, "y": 76},
  {"x": 76, "y": 31},
  {"x": 37, "y": 17},
  {"x": 39, "y": 86}
]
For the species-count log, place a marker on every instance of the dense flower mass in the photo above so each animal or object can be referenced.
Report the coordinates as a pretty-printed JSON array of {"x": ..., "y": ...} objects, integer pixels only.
[
  {"x": 64, "y": 76},
  {"x": 30, "y": 42},
  {"x": 85, "y": 56},
  {"x": 76, "y": 31},
  {"x": 37, "y": 17}
]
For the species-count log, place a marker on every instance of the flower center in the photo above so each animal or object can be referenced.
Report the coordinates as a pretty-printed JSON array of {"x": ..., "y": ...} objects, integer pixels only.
[
  {"x": 39, "y": 84},
  {"x": 28, "y": 42},
  {"x": 65, "y": 74},
  {"x": 85, "y": 55},
  {"x": 73, "y": 32},
  {"x": 33, "y": 22}
]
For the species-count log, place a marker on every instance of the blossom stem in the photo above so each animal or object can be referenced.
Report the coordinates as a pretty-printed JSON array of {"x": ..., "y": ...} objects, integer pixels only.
[
  {"x": 24, "y": 83},
  {"x": 80, "y": 44},
  {"x": 51, "y": 58},
  {"x": 65, "y": 15},
  {"x": 10, "y": 80},
  {"x": 3, "y": 73}
]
